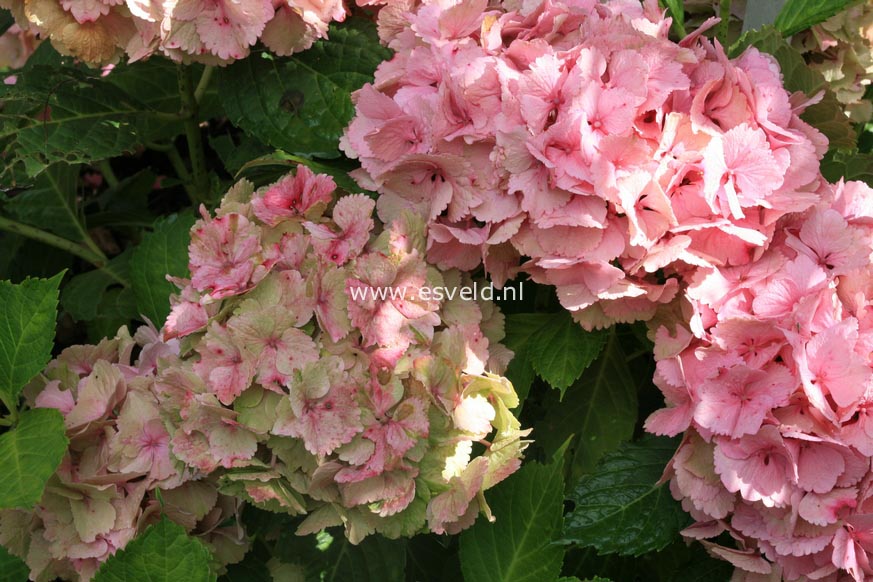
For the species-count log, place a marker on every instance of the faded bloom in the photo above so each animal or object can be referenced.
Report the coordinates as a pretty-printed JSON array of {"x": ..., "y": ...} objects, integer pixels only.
[
  {"x": 303, "y": 397},
  {"x": 105, "y": 490}
]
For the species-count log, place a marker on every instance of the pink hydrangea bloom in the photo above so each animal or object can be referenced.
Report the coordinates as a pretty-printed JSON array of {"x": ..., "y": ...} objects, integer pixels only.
[
  {"x": 293, "y": 195},
  {"x": 773, "y": 392},
  {"x": 226, "y": 257},
  {"x": 576, "y": 134}
]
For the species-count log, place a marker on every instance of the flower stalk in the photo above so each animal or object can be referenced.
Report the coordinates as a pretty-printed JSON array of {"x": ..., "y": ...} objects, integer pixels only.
[
  {"x": 190, "y": 114},
  {"x": 87, "y": 251}
]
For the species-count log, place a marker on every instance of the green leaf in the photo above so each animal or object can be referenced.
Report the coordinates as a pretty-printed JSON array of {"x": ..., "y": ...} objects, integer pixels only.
[
  {"x": 126, "y": 203},
  {"x": 164, "y": 251},
  {"x": 61, "y": 112},
  {"x": 797, "y": 15},
  {"x": 29, "y": 454},
  {"x": 12, "y": 569},
  {"x": 50, "y": 203},
  {"x": 519, "y": 546},
  {"x": 251, "y": 569},
  {"x": 28, "y": 312},
  {"x": 301, "y": 104},
  {"x": 849, "y": 165},
  {"x": 433, "y": 558},
  {"x": 117, "y": 309},
  {"x": 620, "y": 508},
  {"x": 64, "y": 115},
  {"x": 155, "y": 84},
  {"x": 236, "y": 153},
  {"x": 520, "y": 328},
  {"x": 374, "y": 559},
  {"x": 678, "y": 562},
  {"x": 561, "y": 350},
  {"x": 827, "y": 116},
  {"x": 84, "y": 293},
  {"x": 24, "y": 257},
  {"x": 164, "y": 553},
  {"x": 600, "y": 409}
]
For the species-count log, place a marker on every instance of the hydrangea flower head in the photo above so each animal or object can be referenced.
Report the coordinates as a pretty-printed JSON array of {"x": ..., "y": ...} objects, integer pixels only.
[
  {"x": 771, "y": 385},
  {"x": 213, "y": 32},
  {"x": 841, "y": 49},
  {"x": 315, "y": 377},
  {"x": 575, "y": 142},
  {"x": 105, "y": 490}
]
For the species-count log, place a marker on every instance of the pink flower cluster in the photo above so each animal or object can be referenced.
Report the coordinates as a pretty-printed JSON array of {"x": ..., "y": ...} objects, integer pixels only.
[
  {"x": 571, "y": 140},
  {"x": 357, "y": 412},
  {"x": 119, "y": 455},
  {"x": 772, "y": 384},
  {"x": 206, "y": 31}
]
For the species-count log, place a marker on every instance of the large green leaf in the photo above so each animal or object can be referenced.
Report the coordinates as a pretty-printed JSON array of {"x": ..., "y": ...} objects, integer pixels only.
[
  {"x": 66, "y": 114},
  {"x": 53, "y": 115},
  {"x": 848, "y": 165},
  {"x": 301, "y": 104},
  {"x": 27, "y": 312},
  {"x": 561, "y": 350},
  {"x": 519, "y": 546},
  {"x": 50, "y": 203},
  {"x": 117, "y": 308},
  {"x": 376, "y": 558},
  {"x": 83, "y": 294},
  {"x": 433, "y": 558},
  {"x": 253, "y": 568},
  {"x": 164, "y": 251},
  {"x": 164, "y": 553},
  {"x": 797, "y": 15},
  {"x": 330, "y": 557},
  {"x": 827, "y": 116},
  {"x": 600, "y": 409},
  {"x": 678, "y": 562},
  {"x": 520, "y": 328},
  {"x": 12, "y": 569},
  {"x": 155, "y": 83},
  {"x": 29, "y": 454},
  {"x": 23, "y": 257},
  {"x": 620, "y": 508}
]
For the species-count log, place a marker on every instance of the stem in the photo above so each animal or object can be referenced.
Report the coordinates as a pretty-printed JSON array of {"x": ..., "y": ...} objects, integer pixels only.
[
  {"x": 106, "y": 169},
  {"x": 158, "y": 147},
  {"x": 724, "y": 12},
  {"x": 192, "y": 135},
  {"x": 53, "y": 240},
  {"x": 90, "y": 253},
  {"x": 203, "y": 84},
  {"x": 178, "y": 164},
  {"x": 12, "y": 417},
  {"x": 164, "y": 116}
]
